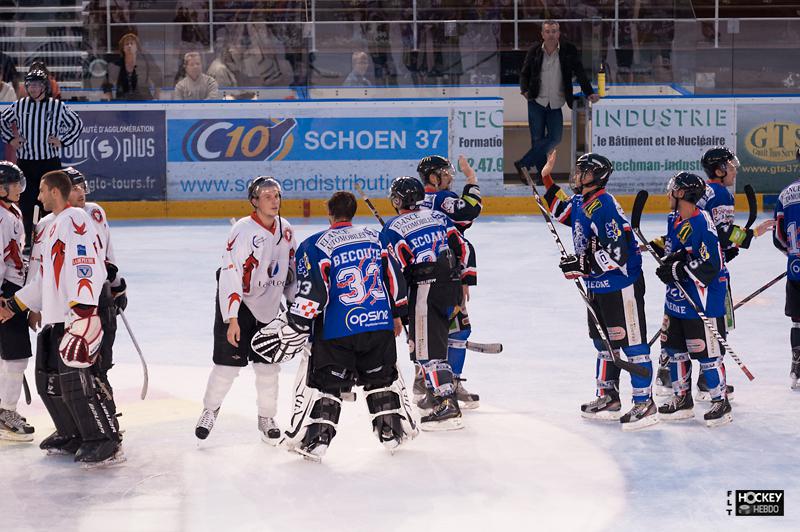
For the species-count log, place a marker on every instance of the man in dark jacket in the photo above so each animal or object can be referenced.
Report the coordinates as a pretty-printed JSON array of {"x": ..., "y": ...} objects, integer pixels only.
[{"x": 546, "y": 82}]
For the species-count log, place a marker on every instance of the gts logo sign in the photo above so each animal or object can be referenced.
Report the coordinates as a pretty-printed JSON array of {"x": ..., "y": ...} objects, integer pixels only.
[{"x": 359, "y": 317}]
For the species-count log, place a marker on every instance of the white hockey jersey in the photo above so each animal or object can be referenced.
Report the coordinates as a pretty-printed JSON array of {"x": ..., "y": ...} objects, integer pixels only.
[
  {"x": 35, "y": 265},
  {"x": 98, "y": 216},
  {"x": 12, "y": 242},
  {"x": 71, "y": 272},
  {"x": 257, "y": 267}
]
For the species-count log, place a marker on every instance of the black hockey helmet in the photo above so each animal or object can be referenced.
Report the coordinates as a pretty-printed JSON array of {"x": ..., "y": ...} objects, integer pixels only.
[
  {"x": 600, "y": 167},
  {"x": 260, "y": 183},
  {"x": 717, "y": 158},
  {"x": 406, "y": 192},
  {"x": 75, "y": 176},
  {"x": 10, "y": 173},
  {"x": 432, "y": 164},
  {"x": 693, "y": 186},
  {"x": 37, "y": 73}
]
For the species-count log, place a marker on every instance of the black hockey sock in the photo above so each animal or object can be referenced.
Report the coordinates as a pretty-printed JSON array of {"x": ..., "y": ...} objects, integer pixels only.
[{"x": 795, "y": 334}]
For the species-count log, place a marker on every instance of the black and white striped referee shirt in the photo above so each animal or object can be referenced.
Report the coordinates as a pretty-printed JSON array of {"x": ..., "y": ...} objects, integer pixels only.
[{"x": 36, "y": 122}]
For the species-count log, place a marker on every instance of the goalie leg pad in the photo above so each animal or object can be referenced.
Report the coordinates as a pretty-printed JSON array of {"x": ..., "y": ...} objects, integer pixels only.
[
  {"x": 390, "y": 409},
  {"x": 48, "y": 385},
  {"x": 92, "y": 407},
  {"x": 439, "y": 377}
]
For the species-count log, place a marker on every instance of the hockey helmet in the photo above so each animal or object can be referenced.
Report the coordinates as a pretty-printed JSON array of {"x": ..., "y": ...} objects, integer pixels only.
[
  {"x": 600, "y": 167},
  {"x": 260, "y": 183},
  {"x": 75, "y": 176},
  {"x": 10, "y": 173},
  {"x": 432, "y": 164},
  {"x": 693, "y": 186},
  {"x": 35, "y": 74},
  {"x": 717, "y": 159},
  {"x": 406, "y": 192}
]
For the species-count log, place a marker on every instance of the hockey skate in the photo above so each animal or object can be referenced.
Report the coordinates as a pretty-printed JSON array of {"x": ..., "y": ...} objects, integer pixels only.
[
  {"x": 56, "y": 444},
  {"x": 677, "y": 408},
  {"x": 663, "y": 387},
  {"x": 13, "y": 427},
  {"x": 719, "y": 414},
  {"x": 314, "y": 450},
  {"x": 205, "y": 423},
  {"x": 446, "y": 415},
  {"x": 466, "y": 400},
  {"x": 605, "y": 408},
  {"x": 702, "y": 389},
  {"x": 99, "y": 453},
  {"x": 426, "y": 402},
  {"x": 270, "y": 433},
  {"x": 642, "y": 415},
  {"x": 794, "y": 373}
]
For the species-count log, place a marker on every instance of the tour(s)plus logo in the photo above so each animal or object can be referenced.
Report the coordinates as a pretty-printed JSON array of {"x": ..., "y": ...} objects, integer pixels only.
[
  {"x": 755, "y": 503},
  {"x": 239, "y": 139},
  {"x": 775, "y": 142}
]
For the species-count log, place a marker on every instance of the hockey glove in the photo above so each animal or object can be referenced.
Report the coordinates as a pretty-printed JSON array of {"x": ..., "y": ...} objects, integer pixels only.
[
  {"x": 731, "y": 254},
  {"x": 278, "y": 341},
  {"x": 672, "y": 272},
  {"x": 82, "y": 337},
  {"x": 575, "y": 266},
  {"x": 120, "y": 296}
]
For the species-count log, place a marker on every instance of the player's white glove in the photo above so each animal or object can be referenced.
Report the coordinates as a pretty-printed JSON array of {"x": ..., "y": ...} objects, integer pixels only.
[
  {"x": 277, "y": 341},
  {"x": 82, "y": 339}
]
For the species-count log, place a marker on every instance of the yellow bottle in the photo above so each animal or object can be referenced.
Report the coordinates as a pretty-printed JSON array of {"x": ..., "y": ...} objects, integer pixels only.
[{"x": 601, "y": 81}]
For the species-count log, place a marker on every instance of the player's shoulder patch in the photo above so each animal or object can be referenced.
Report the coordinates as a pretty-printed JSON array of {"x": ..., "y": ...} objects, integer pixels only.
[
  {"x": 592, "y": 207},
  {"x": 684, "y": 231}
]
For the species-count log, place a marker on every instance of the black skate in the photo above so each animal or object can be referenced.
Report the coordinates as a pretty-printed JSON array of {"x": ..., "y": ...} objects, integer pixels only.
[
  {"x": 466, "y": 400},
  {"x": 677, "y": 408},
  {"x": 426, "y": 402},
  {"x": 663, "y": 387},
  {"x": 205, "y": 423},
  {"x": 604, "y": 408},
  {"x": 58, "y": 444},
  {"x": 719, "y": 414},
  {"x": 446, "y": 415},
  {"x": 794, "y": 373},
  {"x": 315, "y": 449},
  {"x": 99, "y": 453},
  {"x": 270, "y": 433},
  {"x": 702, "y": 389},
  {"x": 14, "y": 427},
  {"x": 641, "y": 416}
]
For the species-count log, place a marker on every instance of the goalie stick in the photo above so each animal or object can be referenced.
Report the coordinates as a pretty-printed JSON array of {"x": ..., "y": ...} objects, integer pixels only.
[
  {"x": 488, "y": 348},
  {"x": 145, "y": 378},
  {"x": 630, "y": 367},
  {"x": 636, "y": 218}
]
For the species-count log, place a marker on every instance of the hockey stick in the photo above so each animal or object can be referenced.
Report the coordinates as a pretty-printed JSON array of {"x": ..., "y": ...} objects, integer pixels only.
[
  {"x": 35, "y": 220},
  {"x": 758, "y": 291},
  {"x": 490, "y": 348},
  {"x": 752, "y": 205},
  {"x": 636, "y": 218},
  {"x": 630, "y": 367},
  {"x": 145, "y": 380}
]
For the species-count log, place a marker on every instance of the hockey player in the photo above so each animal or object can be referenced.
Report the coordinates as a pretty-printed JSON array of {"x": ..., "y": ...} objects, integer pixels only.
[
  {"x": 66, "y": 292},
  {"x": 257, "y": 268},
  {"x": 785, "y": 238},
  {"x": 15, "y": 343},
  {"x": 351, "y": 296},
  {"x": 437, "y": 175},
  {"x": 608, "y": 259},
  {"x": 433, "y": 257},
  {"x": 693, "y": 258},
  {"x": 720, "y": 165}
]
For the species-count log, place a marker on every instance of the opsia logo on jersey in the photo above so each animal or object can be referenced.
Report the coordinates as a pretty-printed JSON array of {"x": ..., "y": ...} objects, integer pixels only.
[
  {"x": 239, "y": 139},
  {"x": 755, "y": 503},
  {"x": 361, "y": 317}
]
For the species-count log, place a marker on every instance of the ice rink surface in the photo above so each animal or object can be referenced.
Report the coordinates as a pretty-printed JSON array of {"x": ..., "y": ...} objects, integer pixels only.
[{"x": 525, "y": 461}]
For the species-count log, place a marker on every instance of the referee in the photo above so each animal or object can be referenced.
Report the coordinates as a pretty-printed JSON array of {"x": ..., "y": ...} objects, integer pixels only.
[{"x": 37, "y": 126}]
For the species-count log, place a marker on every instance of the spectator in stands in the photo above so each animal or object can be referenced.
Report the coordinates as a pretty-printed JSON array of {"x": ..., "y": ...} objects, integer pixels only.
[
  {"x": 357, "y": 77},
  {"x": 196, "y": 85},
  {"x": 134, "y": 76},
  {"x": 546, "y": 83},
  {"x": 8, "y": 70},
  {"x": 7, "y": 92}
]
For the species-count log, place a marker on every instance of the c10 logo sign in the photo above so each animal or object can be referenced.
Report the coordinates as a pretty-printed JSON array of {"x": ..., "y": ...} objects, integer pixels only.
[{"x": 238, "y": 140}]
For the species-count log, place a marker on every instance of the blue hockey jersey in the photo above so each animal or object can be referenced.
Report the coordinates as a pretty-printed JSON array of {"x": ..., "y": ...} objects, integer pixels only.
[
  {"x": 720, "y": 204},
  {"x": 345, "y": 274},
  {"x": 708, "y": 280},
  {"x": 785, "y": 236},
  {"x": 602, "y": 217},
  {"x": 426, "y": 243}
]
